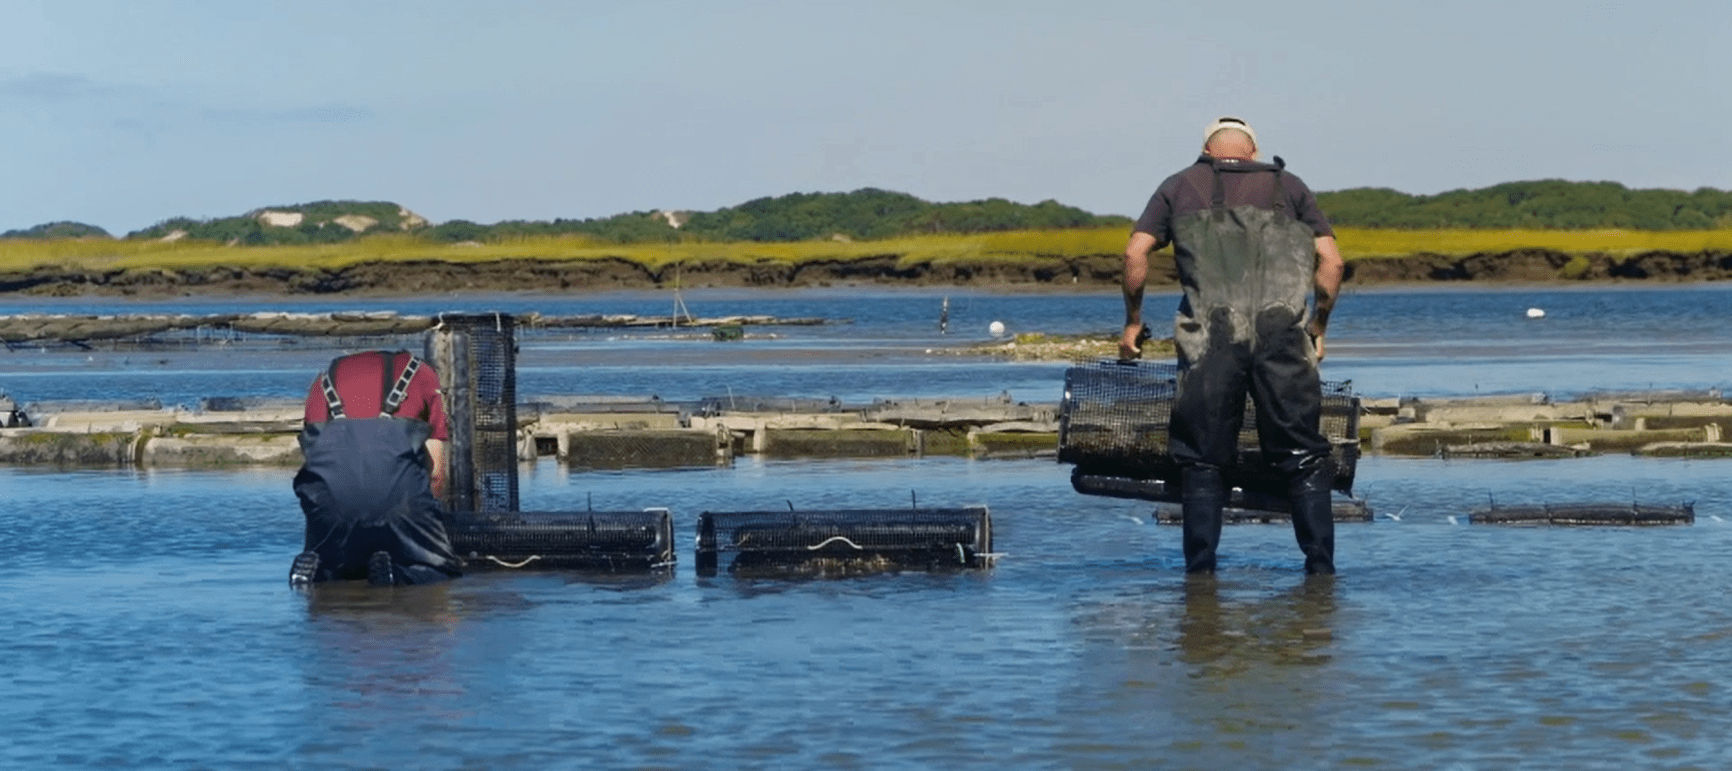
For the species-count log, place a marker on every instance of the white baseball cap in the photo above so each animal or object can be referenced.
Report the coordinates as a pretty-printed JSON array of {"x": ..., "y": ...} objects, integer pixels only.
[{"x": 1229, "y": 122}]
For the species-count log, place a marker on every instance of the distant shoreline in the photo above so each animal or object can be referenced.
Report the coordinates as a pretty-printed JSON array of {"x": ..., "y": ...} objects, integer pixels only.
[{"x": 417, "y": 277}]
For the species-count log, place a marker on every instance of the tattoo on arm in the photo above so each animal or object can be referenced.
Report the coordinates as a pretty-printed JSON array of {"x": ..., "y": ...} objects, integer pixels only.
[
  {"x": 1330, "y": 269},
  {"x": 1325, "y": 305}
]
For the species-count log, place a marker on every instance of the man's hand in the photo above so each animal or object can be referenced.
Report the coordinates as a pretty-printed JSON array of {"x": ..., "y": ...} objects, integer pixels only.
[
  {"x": 1330, "y": 268},
  {"x": 1136, "y": 273},
  {"x": 1131, "y": 342}
]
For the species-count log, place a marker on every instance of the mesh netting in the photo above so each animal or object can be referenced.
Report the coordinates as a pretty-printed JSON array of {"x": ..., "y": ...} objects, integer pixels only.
[
  {"x": 842, "y": 541},
  {"x": 1585, "y": 514},
  {"x": 475, "y": 356},
  {"x": 605, "y": 540},
  {"x": 1114, "y": 421}
]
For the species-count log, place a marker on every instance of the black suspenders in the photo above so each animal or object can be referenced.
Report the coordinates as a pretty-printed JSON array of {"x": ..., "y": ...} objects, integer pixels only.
[
  {"x": 391, "y": 395},
  {"x": 1218, "y": 200}
]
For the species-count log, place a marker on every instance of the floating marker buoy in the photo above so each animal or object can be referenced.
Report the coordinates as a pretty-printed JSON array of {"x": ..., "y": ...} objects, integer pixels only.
[
  {"x": 996, "y": 328},
  {"x": 1536, "y": 313}
]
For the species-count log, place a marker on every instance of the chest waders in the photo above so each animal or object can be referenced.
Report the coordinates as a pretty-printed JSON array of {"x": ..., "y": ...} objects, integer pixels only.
[
  {"x": 364, "y": 488},
  {"x": 1240, "y": 330}
]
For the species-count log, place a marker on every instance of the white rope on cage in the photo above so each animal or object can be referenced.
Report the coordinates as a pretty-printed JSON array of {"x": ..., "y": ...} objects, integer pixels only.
[
  {"x": 833, "y": 539},
  {"x": 526, "y": 560},
  {"x": 988, "y": 556}
]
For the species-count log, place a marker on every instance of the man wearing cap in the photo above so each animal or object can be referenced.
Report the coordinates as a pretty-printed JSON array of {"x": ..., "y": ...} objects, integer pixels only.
[{"x": 1251, "y": 246}]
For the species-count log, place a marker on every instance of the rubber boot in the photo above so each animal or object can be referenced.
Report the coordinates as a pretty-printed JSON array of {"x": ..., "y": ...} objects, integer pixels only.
[
  {"x": 1314, "y": 514},
  {"x": 1203, "y": 496}
]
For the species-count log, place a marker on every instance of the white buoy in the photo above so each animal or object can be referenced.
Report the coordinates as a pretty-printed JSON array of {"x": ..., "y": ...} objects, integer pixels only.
[
  {"x": 1536, "y": 313},
  {"x": 996, "y": 328}
]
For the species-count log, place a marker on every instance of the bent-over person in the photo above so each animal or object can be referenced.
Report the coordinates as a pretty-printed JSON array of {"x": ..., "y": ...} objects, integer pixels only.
[{"x": 373, "y": 443}]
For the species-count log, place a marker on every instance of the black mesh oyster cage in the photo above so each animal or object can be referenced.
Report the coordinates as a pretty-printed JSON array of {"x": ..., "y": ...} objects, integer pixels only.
[
  {"x": 843, "y": 542},
  {"x": 1114, "y": 422},
  {"x": 476, "y": 358},
  {"x": 1585, "y": 513},
  {"x": 611, "y": 541}
]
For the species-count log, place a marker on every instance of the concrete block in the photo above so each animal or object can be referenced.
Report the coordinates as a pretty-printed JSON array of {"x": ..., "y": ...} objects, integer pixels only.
[
  {"x": 840, "y": 443},
  {"x": 29, "y": 446},
  {"x": 653, "y": 448},
  {"x": 220, "y": 450}
]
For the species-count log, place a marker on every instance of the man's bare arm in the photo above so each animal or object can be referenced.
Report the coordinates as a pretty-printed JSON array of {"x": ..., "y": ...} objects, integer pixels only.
[
  {"x": 1136, "y": 273},
  {"x": 1328, "y": 288},
  {"x": 436, "y": 451}
]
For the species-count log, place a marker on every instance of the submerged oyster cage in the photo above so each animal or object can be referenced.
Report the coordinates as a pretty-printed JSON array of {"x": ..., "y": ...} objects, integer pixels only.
[
  {"x": 476, "y": 357},
  {"x": 1585, "y": 514},
  {"x": 589, "y": 540},
  {"x": 1114, "y": 422},
  {"x": 843, "y": 541}
]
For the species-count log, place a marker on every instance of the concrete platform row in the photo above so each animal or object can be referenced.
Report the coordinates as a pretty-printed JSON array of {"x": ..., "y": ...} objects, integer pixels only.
[
  {"x": 596, "y": 434},
  {"x": 626, "y": 432}
]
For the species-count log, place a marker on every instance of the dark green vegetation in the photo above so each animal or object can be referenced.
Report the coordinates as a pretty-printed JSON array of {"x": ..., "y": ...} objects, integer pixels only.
[
  {"x": 1541, "y": 205},
  {"x": 54, "y": 230},
  {"x": 870, "y": 214},
  {"x": 319, "y": 224},
  {"x": 863, "y": 215}
]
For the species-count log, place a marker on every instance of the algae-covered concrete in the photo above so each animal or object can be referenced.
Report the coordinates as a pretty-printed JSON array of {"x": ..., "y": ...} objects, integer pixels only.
[
  {"x": 651, "y": 433},
  {"x": 1536, "y": 426}
]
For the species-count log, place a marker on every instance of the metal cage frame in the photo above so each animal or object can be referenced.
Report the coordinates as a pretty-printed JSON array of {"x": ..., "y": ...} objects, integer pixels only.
[
  {"x": 1114, "y": 422},
  {"x": 844, "y": 541}
]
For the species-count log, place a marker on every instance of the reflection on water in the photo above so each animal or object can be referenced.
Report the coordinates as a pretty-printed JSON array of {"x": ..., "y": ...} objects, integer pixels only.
[
  {"x": 151, "y": 624},
  {"x": 154, "y": 628},
  {"x": 1222, "y": 639}
]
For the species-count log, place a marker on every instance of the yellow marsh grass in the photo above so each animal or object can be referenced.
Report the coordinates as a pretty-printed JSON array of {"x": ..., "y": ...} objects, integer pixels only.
[
  {"x": 1396, "y": 243},
  {"x": 1014, "y": 246}
]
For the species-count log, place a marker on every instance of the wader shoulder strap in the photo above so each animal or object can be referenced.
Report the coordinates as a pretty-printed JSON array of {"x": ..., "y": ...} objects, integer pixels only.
[
  {"x": 1280, "y": 188},
  {"x": 333, "y": 403},
  {"x": 1218, "y": 203},
  {"x": 395, "y": 394},
  {"x": 391, "y": 393}
]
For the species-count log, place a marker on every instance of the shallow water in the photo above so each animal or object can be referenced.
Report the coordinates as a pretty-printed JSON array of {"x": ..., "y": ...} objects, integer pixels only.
[
  {"x": 151, "y": 626},
  {"x": 1389, "y": 342}
]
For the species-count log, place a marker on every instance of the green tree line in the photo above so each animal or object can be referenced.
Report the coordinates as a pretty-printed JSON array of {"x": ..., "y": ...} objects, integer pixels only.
[
  {"x": 318, "y": 224},
  {"x": 870, "y": 213},
  {"x": 865, "y": 214},
  {"x": 1539, "y": 205}
]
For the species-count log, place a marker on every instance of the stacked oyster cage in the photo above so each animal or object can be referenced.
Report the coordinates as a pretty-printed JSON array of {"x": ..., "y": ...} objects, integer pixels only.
[
  {"x": 475, "y": 356},
  {"x": 1114, "y": 423}
]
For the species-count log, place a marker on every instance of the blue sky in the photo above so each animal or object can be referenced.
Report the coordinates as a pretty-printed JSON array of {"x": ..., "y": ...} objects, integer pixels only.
[{"x": 122, "y": 113}]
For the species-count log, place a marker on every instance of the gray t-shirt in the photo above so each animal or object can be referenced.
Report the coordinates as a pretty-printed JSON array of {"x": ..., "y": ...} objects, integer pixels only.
[{"x": 1192, "y": 190}]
